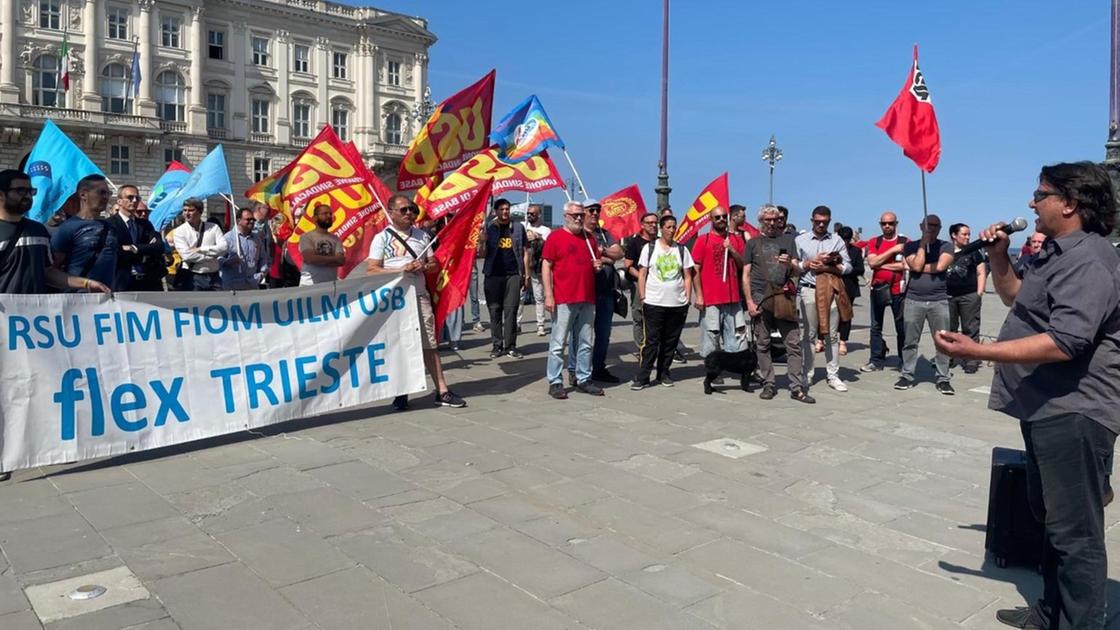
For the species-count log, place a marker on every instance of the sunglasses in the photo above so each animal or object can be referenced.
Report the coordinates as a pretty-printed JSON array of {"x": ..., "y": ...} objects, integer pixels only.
[
  {"x": 1039, "y": 195},
  {"x": 407, "y": 209},
  {"x": 719, "y": 217},
  {"x": 24, "y": 191},
  {"x": 888, "y": 223},
  {"x": 820, "y": 221},
  {"x": 132, "y": 198},
  {"x": 574, "y": 215}
]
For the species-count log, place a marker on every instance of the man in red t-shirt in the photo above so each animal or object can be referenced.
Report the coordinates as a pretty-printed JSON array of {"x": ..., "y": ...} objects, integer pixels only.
[
  {"x": 568, "y": 264},
  {"x": 718, "y": 256},
  {"x": 884, "y": 257}
]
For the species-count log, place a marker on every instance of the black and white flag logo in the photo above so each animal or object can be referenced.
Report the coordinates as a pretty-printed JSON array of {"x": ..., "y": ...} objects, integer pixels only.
[{"x": 918, "y": 87}]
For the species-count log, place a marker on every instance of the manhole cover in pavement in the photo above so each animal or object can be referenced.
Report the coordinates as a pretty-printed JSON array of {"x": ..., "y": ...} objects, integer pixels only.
[
  {"x": 730, "y": 447},
  {"x": 84, "y": 594}
]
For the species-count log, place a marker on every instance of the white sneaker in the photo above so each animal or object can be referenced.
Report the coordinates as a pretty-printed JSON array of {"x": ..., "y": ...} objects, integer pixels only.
[
  {"x": 837, "y": 384},
  {"x": 540, "y": 331}
]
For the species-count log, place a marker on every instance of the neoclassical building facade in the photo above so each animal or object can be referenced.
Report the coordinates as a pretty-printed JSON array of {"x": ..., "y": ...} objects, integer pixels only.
[{"x": 261, "y": 77}]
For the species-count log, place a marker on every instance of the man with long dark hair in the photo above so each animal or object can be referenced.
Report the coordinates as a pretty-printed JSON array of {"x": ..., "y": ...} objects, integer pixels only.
[{"x": 1057, "y": 365}]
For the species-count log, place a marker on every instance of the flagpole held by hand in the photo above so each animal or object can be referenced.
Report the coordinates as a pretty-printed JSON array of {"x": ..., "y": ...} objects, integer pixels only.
[
  {"x": 725, "y": 261},
  {"x": 576, "y": 173},
  {"x": 925, "y": 208}
]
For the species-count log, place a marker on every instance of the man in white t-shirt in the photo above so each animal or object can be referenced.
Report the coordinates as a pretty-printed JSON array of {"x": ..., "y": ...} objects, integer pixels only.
[
  {"x": 322, "y": 252},
  {"x": 664, "y": 285},
  {"x": 536, "y": 232},
  {"x": 400, "y": 247}
]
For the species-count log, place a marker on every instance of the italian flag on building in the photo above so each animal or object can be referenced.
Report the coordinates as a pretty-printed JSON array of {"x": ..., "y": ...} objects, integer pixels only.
[{"x": 64, "y": 70}]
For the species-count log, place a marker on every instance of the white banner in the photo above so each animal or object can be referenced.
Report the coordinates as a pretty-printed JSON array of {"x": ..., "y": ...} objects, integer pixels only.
[{"x": 87, "y": 376}]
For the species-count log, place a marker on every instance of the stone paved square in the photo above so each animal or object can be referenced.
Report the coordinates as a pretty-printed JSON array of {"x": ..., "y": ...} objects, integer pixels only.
[{"x": 866, "y": 510}]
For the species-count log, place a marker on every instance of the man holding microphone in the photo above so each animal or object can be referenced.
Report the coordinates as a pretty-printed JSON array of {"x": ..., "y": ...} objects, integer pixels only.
[{"x": 1058, "y": 371}]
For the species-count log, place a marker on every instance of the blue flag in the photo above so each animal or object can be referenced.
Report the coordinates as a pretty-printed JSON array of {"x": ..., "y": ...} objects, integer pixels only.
[
  {"x": 135, "y": 73},
  {"x": 210, "y": 177},
  {"x": 168, "y": 185},
  {"x": 525, "y": 132},
  {"x": 55, "y": 166}
]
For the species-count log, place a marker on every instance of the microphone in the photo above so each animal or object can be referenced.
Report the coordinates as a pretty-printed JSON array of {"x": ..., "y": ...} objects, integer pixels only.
[{"x": 1018, "y": 225}]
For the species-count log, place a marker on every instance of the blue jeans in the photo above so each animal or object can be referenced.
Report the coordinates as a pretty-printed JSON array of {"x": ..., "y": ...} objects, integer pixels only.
[
  {"x": 453, "y": 326},
  {"x": 604, "y": 317},
  {"x": 723, "y": 327},
  {"x": 572, "y": 321},
  {"x": 473, "y": 294}
]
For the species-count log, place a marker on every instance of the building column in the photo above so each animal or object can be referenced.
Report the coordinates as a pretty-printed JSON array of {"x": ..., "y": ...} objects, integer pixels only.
[
  {"x": 237, "y": 101},
  {"x": 323, "y": 113},
  {"x": 9, "y": 91},
  {"x": 371, "y": 118},
  {"x": 145, "y": 105},
  {"x": 281, "y": 131},
  {"x": 91, "y": 100},
  {"x": 196, "y": 109}
]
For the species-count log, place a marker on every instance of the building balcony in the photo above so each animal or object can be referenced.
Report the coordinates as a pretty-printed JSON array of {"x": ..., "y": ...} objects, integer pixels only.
[
  {"x": 260, "y": 138},
  {"x": 173, "y": 126},
  {"x": 300, "y": 142},
  {"x": 217, "y": 134},
  {"x": 395, "y": 150},
  {"x": 84, "y": 118}
]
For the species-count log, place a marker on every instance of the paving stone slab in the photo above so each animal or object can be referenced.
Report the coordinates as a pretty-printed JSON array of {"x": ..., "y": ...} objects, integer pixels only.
[
  {"x": 360, "y": 480},
  {"x": 76, "y": 479},
  {"x": 738, "y": 607},
  {"x": 300, "y": 452},
  {"x": 282, "y": 553},
  {"x": 526, "y": 563},
  {"x": 356, "y": 598},
  {"x": 611, "y": 604},
  {"x": 671, "y": 583},
  {"x": 112, "y": 506},
  {"x": 756, "y": 531},
  {"x": 127, "y": 615},
  {"x": 223, "y": 597},
  {"x": 51, "y": 541},
  {"x": 402, "y": 557},
  {"x": 484, "y": 602},
  {"x": 325, "y": 510}
]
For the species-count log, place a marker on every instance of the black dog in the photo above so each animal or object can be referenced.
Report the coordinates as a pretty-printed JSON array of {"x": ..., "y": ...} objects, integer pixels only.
[{"x": 743, "y": 363}]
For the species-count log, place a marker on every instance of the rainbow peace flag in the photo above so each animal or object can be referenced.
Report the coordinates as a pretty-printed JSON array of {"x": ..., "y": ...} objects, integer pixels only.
[{"x": 525, "y": 132}]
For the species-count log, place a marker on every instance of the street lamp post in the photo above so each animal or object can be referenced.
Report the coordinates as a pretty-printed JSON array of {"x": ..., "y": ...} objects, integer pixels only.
[
  {"x": 663, "y": 189},
  {"x": 1112, "y": 146},
  {"x": 772, "y": 155},
  {"x": 422, "y": 111}
]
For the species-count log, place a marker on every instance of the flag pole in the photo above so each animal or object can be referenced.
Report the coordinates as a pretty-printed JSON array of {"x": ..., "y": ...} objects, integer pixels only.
[
  {"x": 925, "y": 208},
  {"x": 576, "y": 173}
]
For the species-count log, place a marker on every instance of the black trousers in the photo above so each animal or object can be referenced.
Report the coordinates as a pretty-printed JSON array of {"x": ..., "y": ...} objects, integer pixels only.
[
  {"x": 964, "y": 316},
  {"x": 663, "y": 326},
  {"x": 878, "y": 310},
  {"x": 1067, "y": 462},
  {"x": 503, "y": 296}
]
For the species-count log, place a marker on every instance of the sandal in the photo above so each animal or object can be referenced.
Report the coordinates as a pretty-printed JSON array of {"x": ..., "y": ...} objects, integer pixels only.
[{"x": 843, "y": 349}]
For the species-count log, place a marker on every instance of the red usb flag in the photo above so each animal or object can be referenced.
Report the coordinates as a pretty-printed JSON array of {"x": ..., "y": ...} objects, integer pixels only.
[
  {"x": 699, "y": 214},
  {"x": 911, "y": 123},
  {"x": 455, "y": 247},
  {"x": 622, "y": 212}
]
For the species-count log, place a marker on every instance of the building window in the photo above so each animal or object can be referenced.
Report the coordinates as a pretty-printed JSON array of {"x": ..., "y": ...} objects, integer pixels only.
[
  {"x": 118, "y": 160},
  {"x": 393, "y": 129},
  {"x": 339, "y": 65},
  {"x": 115, "y": 97},
  {"x": 262, "y": 168},
  {"x": 301, "y": 120},
  {"x": 171, "y": 96},
  {"x": 172, "y": 155},
  {"x": 215, "y": 111},
  {"x": 50, "y": 14},
  {"x": 44, "y": 81},
  {"x": 394, "y": 72},
  {"x": 261, "y": 123},
  {"x": 118, "y": 23},
  {"x": 171, "y": 28},
  {"x": 260, "y": 51},
  {"x": 216, "y": 42},
  {"x": 340, "y": 120},
  {"x": 302, "y": 59}
]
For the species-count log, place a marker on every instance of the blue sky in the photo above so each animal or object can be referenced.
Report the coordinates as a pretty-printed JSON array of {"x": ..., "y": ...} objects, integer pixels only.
[{"x": 1016, "y": 84}]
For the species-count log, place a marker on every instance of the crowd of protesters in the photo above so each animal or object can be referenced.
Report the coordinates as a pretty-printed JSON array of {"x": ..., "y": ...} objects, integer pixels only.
[{"x": 780, "y": 288}]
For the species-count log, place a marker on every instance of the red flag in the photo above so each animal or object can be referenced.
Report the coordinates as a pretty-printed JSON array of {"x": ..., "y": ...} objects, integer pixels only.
[
  {"x": 911, "y": 123},
  {"x": 456, "y": 245},
  {"x": 622, "y": 212},
  {"x": 699, "y": 214},
  {"x": 532, "y": 175},
  {"x": 459, "y": 128}
]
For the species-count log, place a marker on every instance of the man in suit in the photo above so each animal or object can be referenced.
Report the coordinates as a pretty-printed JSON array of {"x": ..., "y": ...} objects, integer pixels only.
[{"x": 140, "y": 259}]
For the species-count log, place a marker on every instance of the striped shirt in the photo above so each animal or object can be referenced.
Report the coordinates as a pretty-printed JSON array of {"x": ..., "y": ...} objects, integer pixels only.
[{"x": 23, "y": 269}]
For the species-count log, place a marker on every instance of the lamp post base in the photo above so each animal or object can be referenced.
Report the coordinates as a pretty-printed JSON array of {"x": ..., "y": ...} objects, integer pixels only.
[{"x": 662, "y": 191}]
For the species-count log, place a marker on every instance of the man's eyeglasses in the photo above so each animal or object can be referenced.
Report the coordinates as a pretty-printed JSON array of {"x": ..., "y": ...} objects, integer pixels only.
[
  {"x": 132, "y": 198},
  {"x": 650, "y": 222},
  {"x": 593, "y": 210},
  {"x": 1039, "y": 195},
  {"x": 574, "y": 215},
  {"x": 820, "y": 221},
  {"x": 772, "y": 220},
  {"x": 719, "y": 217},
  {"x": 24, "y": 191},
  {"x": 406, "y": 209},
  {"x": 888, "y": 223}
]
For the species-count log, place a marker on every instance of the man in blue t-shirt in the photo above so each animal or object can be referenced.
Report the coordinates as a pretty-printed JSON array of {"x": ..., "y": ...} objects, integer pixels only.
[
  {"x": 86, "y": 245},
  {"x": 927, "y": 300}
]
